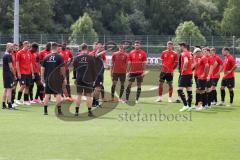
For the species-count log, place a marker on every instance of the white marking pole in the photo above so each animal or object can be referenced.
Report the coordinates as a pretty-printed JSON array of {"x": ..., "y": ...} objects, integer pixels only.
[{"x": 16, "y": 22}]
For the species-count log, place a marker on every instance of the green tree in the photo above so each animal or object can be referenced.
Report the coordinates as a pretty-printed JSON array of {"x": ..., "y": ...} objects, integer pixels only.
[
  {"x": 83, "y": 26},
  {"x": 36, "y": 16},
  {"x": 6, "y": 22},
  {"x": 221, "y": 5},
  {"x": 187, "y": 32},
  {"x": 165, "y": 15},
  {"x": 138, "y": 23},
  {"x": 231, "y": 18},
  {"x": 121, "y": 24}
]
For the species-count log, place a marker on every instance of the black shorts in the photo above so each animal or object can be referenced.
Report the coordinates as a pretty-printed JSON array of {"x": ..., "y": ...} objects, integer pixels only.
[
  {"x": 196, "y": 81},
  {"x": 214, "y": 81},
  {"x": 135, "y": 76},
  {"x": 99, "y": 81},
  {"x": 202, "y": 84},
  {"x": 119, "y": 76},
  {"x": 8, "y": 82},
  {"x": 54, "y": 87},
  {"x": 209, "y": 84},
  {"x": 26, "y": 79},
  {"x": 83, "y": 87},
  {"x": 228, "y": 82},
  {"x": 185, "y": 81},
  {"x": 37, "y": 77},
  {"x": 166, "y": 77}
]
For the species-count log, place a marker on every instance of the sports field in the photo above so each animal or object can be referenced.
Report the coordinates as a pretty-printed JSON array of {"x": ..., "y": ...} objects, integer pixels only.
[{"x": 210, "y": 135}]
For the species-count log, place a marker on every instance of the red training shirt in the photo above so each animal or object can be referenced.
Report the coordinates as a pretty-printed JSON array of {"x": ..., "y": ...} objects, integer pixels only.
[
  {"x": 137, "y": 58},
  {"x": 196, "y": 59},
  {"x": 187, "y": 55},
  {"x": 169, "y": 61},
  {"x": 35, "y": 62},
  {"x": 119, "y": 62},
  {"x": 219, "y": 61},
  {"x": 67, "y": 55},
  {"x": 14, "y": 57},
  {"x": 201, "y": 66},
  {"x": 25, "y": 60},
  {"x": 228, "y": 65},
  {"x": 43, "y": 54}
]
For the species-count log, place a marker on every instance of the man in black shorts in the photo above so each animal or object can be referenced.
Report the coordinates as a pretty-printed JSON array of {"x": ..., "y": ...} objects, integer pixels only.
[
  {"x": 25, "y": 72},
  {"x": 136, "y": 67},
  {"x": 99, "y": 58},
  {"x": 37, "y": 78},
  {"x": 8, "y": 77},
  {"x": 214, "y": 74},
  {"x": 202, "y": 74},
  {"x": 169, "y": 63},
  {"x": 53, "y": 76},
  {"x": 118, "y": 70},
  {"x": 228, "y": 80},
  {"x": 185, "y": 80},
  {"x": 85, "y": 77},
  {"x": 197, "y": 54}
]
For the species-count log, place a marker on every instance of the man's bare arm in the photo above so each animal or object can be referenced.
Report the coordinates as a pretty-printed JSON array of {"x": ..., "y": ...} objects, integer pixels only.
[
  {"x": 42, "y": 73},
  {"x": 12, "y": 69}
]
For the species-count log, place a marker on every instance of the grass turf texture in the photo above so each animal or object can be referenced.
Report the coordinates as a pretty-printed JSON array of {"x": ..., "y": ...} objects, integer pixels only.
[{"x": 212, "y": 134}]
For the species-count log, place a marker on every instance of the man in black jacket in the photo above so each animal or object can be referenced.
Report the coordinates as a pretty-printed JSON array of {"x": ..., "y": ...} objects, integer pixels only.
[{"x": 84, "y": 66}]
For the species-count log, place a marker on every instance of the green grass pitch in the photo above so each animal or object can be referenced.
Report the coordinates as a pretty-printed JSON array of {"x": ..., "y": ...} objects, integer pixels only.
[{"x": 210, "y": 135}]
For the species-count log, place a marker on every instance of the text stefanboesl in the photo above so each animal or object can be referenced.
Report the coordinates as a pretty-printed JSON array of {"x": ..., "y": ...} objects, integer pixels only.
[{"x": 154, "y": 117}]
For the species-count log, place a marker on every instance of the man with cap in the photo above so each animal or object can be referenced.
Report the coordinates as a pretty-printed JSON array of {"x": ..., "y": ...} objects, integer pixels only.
[{"x": 197, "y": 54}]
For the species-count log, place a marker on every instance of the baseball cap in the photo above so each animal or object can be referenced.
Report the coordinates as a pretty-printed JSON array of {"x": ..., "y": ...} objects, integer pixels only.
[{"x": 196, "y": 50}]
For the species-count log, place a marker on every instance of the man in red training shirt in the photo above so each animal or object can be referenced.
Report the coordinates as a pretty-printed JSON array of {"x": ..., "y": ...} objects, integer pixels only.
[
  {"x": 118, "y": 70},
  {"x": 169, "y": 63},
  {"x": 185, "y": 80},
  {"x": 24, "y": 71},
  {"x": 214, "y": 74},
  {"x": 42, "y": 54},
  {"x": 136, "y": 66},
  {"x": 228, "y": 80}
]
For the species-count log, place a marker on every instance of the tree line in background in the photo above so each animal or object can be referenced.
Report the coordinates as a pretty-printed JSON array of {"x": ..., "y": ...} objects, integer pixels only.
[{"x": 116, "y": 17}]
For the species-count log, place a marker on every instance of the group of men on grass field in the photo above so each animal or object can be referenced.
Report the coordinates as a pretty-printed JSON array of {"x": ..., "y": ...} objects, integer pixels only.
[{"x": 49, "y": 70}]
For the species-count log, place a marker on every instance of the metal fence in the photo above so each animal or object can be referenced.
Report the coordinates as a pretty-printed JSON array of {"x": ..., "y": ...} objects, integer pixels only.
[{"x": 152, "y": 44}]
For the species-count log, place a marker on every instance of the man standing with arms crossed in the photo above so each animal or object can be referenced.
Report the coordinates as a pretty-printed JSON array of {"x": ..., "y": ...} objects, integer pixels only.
[
  {"x": 185, "y": 80},
  {"x": 228, "y": 80},
  {"x": 25, "y": 72},
  {"x": 202, "y": 74},
  {"x": 169, "y": 63},
  {"x": 214, "y": 73},
  {"x": 136, "y": 66}
]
